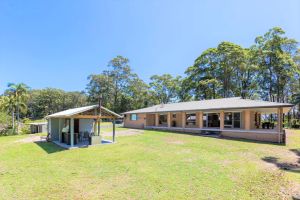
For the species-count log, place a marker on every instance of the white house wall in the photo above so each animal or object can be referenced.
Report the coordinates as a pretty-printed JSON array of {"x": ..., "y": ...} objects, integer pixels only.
[{"x": 54, "y": 129}]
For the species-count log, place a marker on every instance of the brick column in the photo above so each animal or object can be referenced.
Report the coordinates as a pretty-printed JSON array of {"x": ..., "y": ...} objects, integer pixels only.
[
  {"x": 222, "y": 120},
  {"x": 169, "y": 119},
  {"x": 156, "y": 119},
  {"x": 247, "y": 119},
  {"x": 183, "y": 118},
  {"x": 200, "y": 122}
]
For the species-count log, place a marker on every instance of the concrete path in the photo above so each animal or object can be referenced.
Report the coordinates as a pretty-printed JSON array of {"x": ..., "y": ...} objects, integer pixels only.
[{"x": 32, "y": 138}]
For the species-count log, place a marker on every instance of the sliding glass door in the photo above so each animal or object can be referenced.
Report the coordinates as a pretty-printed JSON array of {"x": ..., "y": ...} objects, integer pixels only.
[
  {"x": 211, "y": 120},
  {"x": 232, "y": 120}
]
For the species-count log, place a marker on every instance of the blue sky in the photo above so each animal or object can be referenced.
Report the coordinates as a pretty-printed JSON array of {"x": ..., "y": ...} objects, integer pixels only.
[{"x": 58, "y": 43}]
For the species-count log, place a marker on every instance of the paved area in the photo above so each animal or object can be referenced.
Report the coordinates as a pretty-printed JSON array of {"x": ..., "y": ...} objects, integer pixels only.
[{"x": 32, "y": 138}]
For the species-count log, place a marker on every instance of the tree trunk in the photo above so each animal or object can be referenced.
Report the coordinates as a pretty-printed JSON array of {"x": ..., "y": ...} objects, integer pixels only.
[
  {"x": 18, "y": 118},
  {"x": 278, "y": 91},
  {"x": 13, "y": 120},
  {"x": 214, "y": 92}
]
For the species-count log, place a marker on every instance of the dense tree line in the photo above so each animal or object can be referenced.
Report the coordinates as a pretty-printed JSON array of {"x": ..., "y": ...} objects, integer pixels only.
[
  {"x": 50, "y": 100},
  {"x": 268, "y": 70}
]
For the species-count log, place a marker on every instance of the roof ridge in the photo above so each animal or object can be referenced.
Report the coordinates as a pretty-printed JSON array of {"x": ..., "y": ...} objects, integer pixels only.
[
  {"x": 221, "y": 103},
  {"x": 197, "y": 101}
]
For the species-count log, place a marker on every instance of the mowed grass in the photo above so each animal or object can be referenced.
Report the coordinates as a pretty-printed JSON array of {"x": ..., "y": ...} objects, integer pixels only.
[{"x": 153, "y": 165}]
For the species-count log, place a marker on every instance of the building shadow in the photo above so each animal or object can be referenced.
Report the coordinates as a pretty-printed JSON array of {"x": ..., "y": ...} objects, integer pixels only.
[
  {"x": 286, "y": 166},
  {"x": 49, "y": 147}
]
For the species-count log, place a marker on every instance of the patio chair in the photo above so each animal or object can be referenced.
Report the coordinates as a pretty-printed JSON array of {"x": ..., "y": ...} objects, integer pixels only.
[
  {"x": 81, "y": 136},
  {"x": 86, "y": 136}
]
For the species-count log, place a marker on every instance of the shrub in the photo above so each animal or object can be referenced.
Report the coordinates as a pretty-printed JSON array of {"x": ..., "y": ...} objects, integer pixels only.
[
  {"x": 25, "y": 129},
  {"x": 5, "y": 118},
  {"x": 26, "y": 120},
  {"x": 7, "y": 132}
]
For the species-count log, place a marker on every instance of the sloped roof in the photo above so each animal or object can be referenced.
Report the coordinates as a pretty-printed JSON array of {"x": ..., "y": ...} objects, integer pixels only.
[
  {"x": 38, "y": 123},
  {"x": 75, "y": 111},
  {"x": 213, "y": 104}
]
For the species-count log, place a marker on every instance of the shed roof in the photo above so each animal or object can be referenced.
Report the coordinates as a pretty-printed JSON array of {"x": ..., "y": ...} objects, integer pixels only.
[
  {"x": 75, "y": 111},
  {"x": 38, "y": 123},
  {"x": 213, "y": 104}
]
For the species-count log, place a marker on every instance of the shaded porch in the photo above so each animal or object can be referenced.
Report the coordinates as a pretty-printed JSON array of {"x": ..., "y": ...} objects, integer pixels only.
[{"x": 244, "y": 123}]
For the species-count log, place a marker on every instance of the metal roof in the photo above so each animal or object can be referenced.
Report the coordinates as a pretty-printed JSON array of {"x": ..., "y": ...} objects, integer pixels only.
[
  {"x": 213, "y": 104},
  {"x": 75, "y": 111},
  {"x": 38, "y": 123}
]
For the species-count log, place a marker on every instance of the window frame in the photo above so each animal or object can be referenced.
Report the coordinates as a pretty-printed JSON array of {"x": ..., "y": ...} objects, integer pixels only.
[
  {"x": 233, "y": 119},
  {"x": 133, "y": 119},
  {"x": 163, "y": 119},
  {"x": 190, "y": 121},
  {"x": 205, "y": 118}
]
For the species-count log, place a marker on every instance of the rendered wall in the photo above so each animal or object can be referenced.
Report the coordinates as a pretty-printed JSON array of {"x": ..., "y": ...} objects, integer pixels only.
[
  {"x": 150, "y": 120},
  {"x": 265, "y": 137},
  {"x": 86, "y": 125},
  {"x": 54, "y": 129},
  {"x": 140, "y": 123}
]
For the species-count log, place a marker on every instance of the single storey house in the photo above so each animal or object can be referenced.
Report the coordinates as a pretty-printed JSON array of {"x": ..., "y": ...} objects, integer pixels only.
[
  {"x": 79, "y": 126},
  {"x": 232, "y": 117}
]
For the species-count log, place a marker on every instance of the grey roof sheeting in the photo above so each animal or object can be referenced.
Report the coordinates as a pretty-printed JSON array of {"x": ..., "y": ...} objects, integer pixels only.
[
  {"x": 38, "y": 123},
  {"x": 75, "y": 111},
  {"x": 213, "y": 104}
]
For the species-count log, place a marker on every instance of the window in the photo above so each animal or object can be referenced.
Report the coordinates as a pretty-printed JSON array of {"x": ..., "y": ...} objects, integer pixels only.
[
  {"x": 133, "y": 117},
  {"x": 211, "y": 120},
  {"x": 191, "y": 119},
  {"x": 228, "y": 120},
  {"x": 232, "y": 120},
  {"x": 174, "y": 115},
  {"x": 163, "y": 120},
  {"x": 237, "y": 120}
]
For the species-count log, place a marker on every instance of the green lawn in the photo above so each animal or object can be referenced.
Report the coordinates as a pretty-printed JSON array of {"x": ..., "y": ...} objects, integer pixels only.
[{"x": 154, "y": 165}]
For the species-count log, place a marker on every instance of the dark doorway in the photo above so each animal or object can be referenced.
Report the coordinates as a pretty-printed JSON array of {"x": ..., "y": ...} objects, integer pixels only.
[{"x": 76, "y": 125}]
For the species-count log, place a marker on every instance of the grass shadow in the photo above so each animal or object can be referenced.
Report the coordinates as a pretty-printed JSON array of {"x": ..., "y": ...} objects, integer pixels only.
[
  {"x": 49, "y": 147},
  {"x": 287, "y": 166}
]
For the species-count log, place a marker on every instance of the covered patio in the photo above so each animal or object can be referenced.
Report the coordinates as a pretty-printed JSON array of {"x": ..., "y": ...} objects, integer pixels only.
[
  {"x": 80, "y": 127},
  {"x": 245, "y": 123}
]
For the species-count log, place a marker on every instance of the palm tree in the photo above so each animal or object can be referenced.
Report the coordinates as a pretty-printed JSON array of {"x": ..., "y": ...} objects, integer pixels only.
[
  {"x": 18, "y": 95},
  {"x": 8, "y": 104}
]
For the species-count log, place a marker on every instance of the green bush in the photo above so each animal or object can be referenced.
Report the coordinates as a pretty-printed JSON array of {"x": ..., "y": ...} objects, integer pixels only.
[
  {"x": 25, "y": 129},
  {"x": 7, "y": 132},
  {"x": 26, "y": 120},
  {"x": 5, "y": 124},
  {"x": 5, "y": 118}
]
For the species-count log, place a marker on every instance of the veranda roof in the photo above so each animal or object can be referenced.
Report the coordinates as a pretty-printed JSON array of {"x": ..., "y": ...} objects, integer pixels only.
[
  {"x": 213, "y": 104},
  {"x": 76, "y": 111}
]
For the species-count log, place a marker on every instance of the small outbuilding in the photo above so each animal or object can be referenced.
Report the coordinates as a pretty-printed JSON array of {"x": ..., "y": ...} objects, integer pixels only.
[
  {"x": 79, "y": 126},
  {"x": 38, "y": 127}
]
